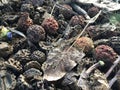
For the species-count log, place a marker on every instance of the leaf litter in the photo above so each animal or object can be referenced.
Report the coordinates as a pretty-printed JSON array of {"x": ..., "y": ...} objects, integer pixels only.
[{"x": 54, "y": 62}]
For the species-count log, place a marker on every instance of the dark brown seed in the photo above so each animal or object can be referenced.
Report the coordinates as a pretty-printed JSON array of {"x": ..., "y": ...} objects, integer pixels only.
[
  {"x": 66, "y": 11},
  {"x": 78, "y": 20},
  {"x": 24, "y": 22},
  {"x": 93, "y": 11},
  {"x": 35, "y": 33}
]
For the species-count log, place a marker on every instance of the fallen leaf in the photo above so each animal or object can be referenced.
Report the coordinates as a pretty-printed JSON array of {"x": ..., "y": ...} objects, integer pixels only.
[{"x": 59, "y": 63}]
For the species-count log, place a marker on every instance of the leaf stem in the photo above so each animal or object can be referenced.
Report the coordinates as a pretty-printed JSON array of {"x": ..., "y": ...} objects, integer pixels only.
[
  {"x": 114, "y": 79},
  {"x": 112, "y": 67}
]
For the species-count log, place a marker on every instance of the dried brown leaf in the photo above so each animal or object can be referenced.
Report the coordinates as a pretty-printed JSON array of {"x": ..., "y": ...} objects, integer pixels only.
[{"x": 59, "y": 63}]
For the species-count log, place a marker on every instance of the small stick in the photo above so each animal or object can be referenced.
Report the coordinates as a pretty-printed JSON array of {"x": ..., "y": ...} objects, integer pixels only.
[
  {"x": 82, "y": 82},
  {"x": 80, "y": 11},
  {"x": 17, "y": 32},
  {"x": 53, "y": 8},
  {"x": 94, "y": 66},
  {"x": 113, "y": 66},
  {"x": 114, "y": 79}
]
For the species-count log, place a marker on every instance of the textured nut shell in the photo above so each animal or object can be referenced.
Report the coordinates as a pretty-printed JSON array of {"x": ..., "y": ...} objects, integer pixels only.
[{"x": 85, "y": 44}]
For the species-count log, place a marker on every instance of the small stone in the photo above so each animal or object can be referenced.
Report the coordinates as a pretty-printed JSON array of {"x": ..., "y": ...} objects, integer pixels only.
[{"x": 5, "y": 49}]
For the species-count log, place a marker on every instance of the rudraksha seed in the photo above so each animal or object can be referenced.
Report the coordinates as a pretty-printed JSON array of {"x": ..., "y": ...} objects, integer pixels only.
[
  {"x": 78, "y": 20},
  {"x": 85, "y": 44},
  {"x": 93, "y": 11},
  {"x": 35, "y": 33},
  {"x": 105, "y": 53},
  {"x": 50, "y": 25},
  {"x": 24, "y": 22}
]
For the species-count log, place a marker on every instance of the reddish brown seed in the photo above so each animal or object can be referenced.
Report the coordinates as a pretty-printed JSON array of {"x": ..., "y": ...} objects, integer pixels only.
[
  {"x": 92, "y": 31},
  {"x": 78, "y": 20},
  {"x": 105, "y": 53},
  {"x": 93, "y": 11},
  {"x": 35, "y": 33},
  {"x": 50, "y": 25},
  {"x": 24, "y": 22},
  {"x": 85, "y": 44}
]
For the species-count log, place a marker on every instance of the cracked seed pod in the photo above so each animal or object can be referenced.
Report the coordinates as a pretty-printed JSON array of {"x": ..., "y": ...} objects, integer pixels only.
[
  {"x": 93, "y": 32},
  {"x": 34, "y": 2},
  {"x": 32, "y": 64},
  {"x": 7, "y": 80},
  {"x": 114, "y": 42},
  {"x": 38, "y": 56},
  {"x": 40, "y": 85},
  {"x": 105, "y": 53},
  {"x": 22, "y": 84},
  {"x": 50, "y": 25},
  {"x": 69, "y": 81},
  {"x": 36, "y": 33},
  {"x": 5, "y": 49},
  {"x": 62, "y": 26},
  {"x": 98, "y": 81},
  {"x": 66, "y": 11},
  {"x": 19, "y": 44},
  {"x": 14, "y": 65},
  {"x": 85, "y": 44},
  {"x": 23, "y": 56},
  {"x": 93, "y": 11},
  {"x": 32, "y": 73},
  {"x": 9, "y": 19},
  {"x": 24, "y": 22},
  {"x": 78, "y": 20},
  {"x": 27, "y": 8}
]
